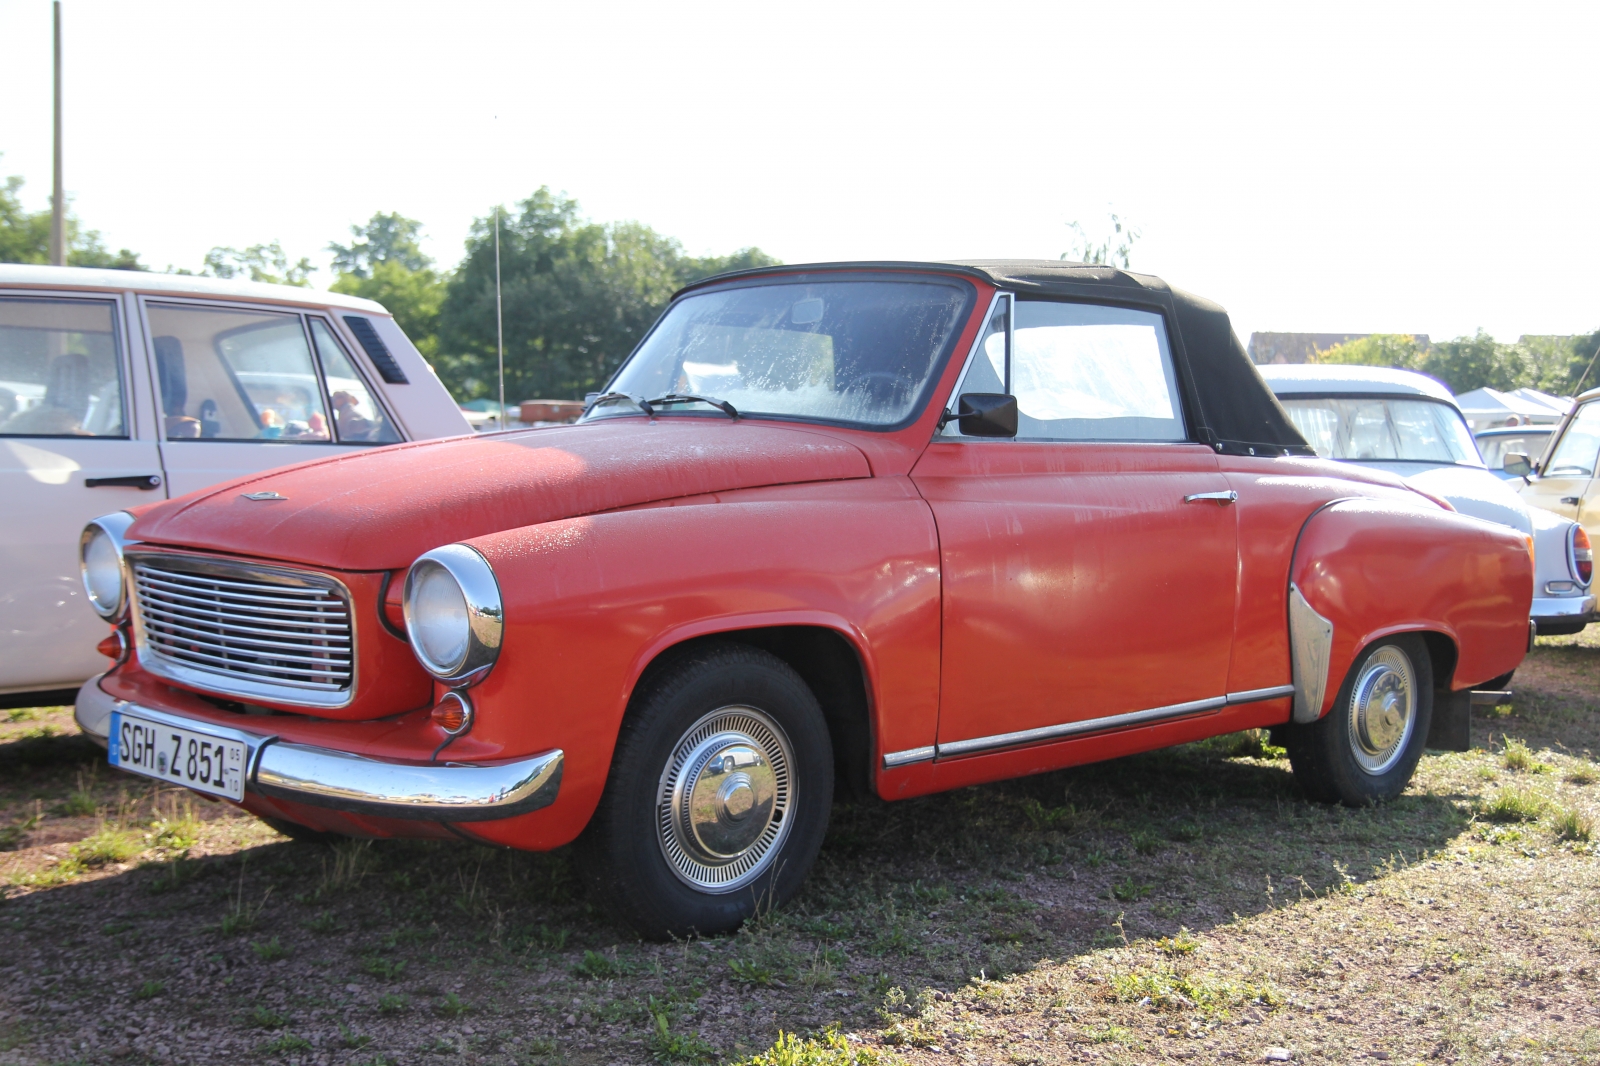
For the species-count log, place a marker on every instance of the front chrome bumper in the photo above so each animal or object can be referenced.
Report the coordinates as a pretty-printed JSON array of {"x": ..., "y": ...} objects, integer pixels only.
[
  {"x": 1563, "y": 608},
  {"x": 324, "y": 777}
]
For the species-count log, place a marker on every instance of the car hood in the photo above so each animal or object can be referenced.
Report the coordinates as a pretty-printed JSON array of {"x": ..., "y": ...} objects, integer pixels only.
[
  {"x": 380, "y": 509},
  {"x": 1470, "y": 490}
]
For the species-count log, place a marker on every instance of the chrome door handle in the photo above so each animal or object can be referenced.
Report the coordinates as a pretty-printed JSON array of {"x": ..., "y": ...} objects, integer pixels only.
[
  {"x": 1571, "y": 501},
  {"x": 1222, "y": 498}
]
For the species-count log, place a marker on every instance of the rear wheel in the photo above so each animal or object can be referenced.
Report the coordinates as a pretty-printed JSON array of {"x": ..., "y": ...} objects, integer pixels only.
[
  {"x": 1366, "y": 748},
  {"x": 718, "y": 795}
]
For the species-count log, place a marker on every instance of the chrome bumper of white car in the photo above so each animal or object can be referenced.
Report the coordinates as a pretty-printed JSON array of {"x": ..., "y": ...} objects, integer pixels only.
[
  {"x": 324, "y": 777},
  {"x": 1563, "y": 609}
]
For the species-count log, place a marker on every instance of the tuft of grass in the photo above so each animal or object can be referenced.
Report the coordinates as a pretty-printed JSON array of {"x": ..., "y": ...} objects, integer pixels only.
[
  {"x": 80, "y": 802},
  {"x": 287, "y": 1042},
  {"x": 831, "y": 1050},
  {"x": 110, "y": 843},
  {"x": 352, "y": 861},
  {"x": 1573, "y": 824},
  {"x": 388, "y": 969},
  {"x": 668, "y": 1046},
  {"x": 1582, "y": 775},
  {"x": 1513, "y": 805},
  {"x": 150, "y": 990},
  {"x": 1127, "y": 890},
  {"x": 750, "y": 972},
  {"x": 1145, "y": 842},
  {"x": 1183, "y": 943},
  {"x": 1518, "y": 756},
  {"x": 352, "y": 1039},
  {"x": 267, "y": 1018},
  {"x": 11, "y": 835},
  {"x": 452, "y": 1006},
  {"x": 1167, "y": 990},
  {"x": 271, "y": 951},
  {"x": 393, "y": 1003},
  {"x": 594, "y": 965},
  {"x": 323, "y": 923},
  {"x": 178, "y": 827}
]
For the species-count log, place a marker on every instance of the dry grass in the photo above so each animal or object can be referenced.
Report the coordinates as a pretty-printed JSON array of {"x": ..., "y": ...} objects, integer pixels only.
[{"x": 1184, "y": 905}]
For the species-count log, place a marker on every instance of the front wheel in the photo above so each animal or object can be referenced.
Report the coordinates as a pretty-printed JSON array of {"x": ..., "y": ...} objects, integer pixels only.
[
  {"x": 1366, "y": 748},
  {"x": 718, "y": 796}
]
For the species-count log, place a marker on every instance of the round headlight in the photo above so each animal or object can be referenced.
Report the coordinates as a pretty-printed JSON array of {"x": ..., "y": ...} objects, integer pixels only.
[
  {"x": 100, "y": 561},
  {"x": 453, "y": 614}
]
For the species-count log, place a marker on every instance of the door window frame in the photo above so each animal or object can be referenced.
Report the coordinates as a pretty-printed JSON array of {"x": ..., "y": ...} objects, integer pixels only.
[
  {"x": 1560, "y": 435},
  {"x": 1187, "y": 403},
  {"x": 263, "y": 307},
  {"x": 122, "y": 341}
]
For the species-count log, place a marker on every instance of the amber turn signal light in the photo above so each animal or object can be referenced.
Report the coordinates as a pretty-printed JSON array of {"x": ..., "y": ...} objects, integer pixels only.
[
  {"x": 114, "y": 646},
  {"x": 453, "y": 714},
  {"x": 1582, "y": 555}
]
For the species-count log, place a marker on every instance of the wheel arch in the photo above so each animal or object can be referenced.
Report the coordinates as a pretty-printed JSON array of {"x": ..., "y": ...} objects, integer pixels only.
[{"x": 830, "y": 657}]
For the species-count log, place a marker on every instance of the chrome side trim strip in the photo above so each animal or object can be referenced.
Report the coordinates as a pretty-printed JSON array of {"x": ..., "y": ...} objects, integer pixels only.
[
  {"x": 1257, "y": 694},
  {"x": 1088, "y": 725},
  {"x": 891, "y": 759},
  {"x": 1310, "y": 645},
  {"x": 324, "y": 777}
]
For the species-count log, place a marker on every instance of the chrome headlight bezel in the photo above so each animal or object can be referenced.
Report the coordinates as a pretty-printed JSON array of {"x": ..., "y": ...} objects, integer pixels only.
[
  {"x": 485, "y": 615},
  {"x": 113, "y": 529}
]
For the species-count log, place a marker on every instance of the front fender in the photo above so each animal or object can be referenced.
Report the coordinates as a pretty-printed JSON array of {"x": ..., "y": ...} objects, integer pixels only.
[
  {"x": 591, "y": 601},
  {"x": 1370, "y": 568}
]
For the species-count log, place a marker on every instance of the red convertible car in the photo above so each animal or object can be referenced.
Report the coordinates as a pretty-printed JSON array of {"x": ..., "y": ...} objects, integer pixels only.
[{"x": 887, "y": 527}]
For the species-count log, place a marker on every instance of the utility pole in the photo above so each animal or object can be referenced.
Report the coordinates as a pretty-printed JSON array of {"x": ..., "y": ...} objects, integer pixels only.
[{"x": 58, "y": 199}]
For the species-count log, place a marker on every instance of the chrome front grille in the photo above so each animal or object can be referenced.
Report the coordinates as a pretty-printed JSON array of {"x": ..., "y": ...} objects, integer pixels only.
[{"x": 244, "y": 630}]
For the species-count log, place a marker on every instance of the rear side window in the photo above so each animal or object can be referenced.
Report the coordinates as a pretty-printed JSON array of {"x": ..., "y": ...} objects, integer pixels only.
[
  {"x": 228, "y": 374},
  {"x": 357, "y": 416},
  {"x": 1579, "y": 449},
  {"x": 1083, "y": 372},
  {"x": 60, "y": 369}
]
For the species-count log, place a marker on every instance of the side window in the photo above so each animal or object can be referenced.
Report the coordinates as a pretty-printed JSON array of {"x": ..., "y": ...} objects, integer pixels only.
[
  {"x": 1575, "y": 456},
  {"x": 357, "y": 418},
  {"x": 60, "y": 369},
  {"x": 228, "y": 374},
  {"x": 1084, "y": 372}
]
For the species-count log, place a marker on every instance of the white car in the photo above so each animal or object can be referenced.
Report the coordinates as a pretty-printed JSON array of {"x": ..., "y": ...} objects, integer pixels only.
[
  {"x": 1409, "y": 424},
  {"x": 119, "y": 388}
]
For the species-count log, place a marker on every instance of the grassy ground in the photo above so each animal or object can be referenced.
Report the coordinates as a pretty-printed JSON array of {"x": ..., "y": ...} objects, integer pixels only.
[{"x": 1186, "y": 904}]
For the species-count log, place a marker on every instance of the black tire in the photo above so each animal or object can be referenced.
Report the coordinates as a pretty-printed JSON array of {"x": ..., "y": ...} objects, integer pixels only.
[
  {"x": 1328, "y": 757},
  {"x": 303, "y": 834},
  {"x": 667, "y": 753}
]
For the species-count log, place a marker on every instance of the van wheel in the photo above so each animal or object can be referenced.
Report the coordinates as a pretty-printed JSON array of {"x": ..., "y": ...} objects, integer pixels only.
[
  {"x": 1366, "y": 748},
  {"x": 718, "y": 796}
]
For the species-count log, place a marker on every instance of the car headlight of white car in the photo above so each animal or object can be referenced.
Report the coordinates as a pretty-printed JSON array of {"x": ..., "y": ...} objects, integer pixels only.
[
  {"x": 100, "y": 562},
  {"x": 454, "y": 616}
]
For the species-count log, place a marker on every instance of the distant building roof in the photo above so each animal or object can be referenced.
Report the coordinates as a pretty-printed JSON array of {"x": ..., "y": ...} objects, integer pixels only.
[{"x": 1299, "y": 347}]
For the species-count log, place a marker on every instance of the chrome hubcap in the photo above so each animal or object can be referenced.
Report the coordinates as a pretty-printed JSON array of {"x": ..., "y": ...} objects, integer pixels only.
[
  {"x": 1382, "y": 710},
  {"x": 723, "y": 805}
]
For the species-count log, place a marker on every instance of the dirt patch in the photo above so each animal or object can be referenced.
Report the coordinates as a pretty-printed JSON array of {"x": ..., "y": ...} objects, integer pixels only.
[{"x": 1184, "y": 905}]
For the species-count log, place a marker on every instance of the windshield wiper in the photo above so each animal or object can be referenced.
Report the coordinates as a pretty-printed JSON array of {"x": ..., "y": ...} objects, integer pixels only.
[
  {"x": 611, "y": 397},
  {"x": 682, "y": 397}
]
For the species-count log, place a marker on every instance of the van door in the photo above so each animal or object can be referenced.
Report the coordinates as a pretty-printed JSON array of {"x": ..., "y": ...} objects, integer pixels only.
[
  {"x": 245, "y": 388},
  {"x": 72, "y": 447}
]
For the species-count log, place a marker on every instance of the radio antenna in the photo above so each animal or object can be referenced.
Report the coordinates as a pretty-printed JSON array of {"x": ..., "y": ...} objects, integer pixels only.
[{"x": 499, "y": 318}]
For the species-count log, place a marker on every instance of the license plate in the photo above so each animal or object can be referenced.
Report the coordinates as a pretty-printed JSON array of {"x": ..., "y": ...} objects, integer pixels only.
[{"x": 184, "y": 757}]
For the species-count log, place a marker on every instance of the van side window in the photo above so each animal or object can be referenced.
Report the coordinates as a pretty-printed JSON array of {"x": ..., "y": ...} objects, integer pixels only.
[
  {"x": 229, "y": 374},
  {"x": 60, "y": 369},
  {"x": 357, "y": 417}
]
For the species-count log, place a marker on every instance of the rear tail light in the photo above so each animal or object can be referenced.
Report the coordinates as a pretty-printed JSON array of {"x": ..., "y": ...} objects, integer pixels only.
[{"x": 1582, "y": 556}]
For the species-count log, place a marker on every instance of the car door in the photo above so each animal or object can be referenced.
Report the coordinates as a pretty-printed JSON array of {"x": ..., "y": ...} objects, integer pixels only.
[
  {"x": 245, "y": 388},
  {"x": 1090, "y": 564},
  {"x": 1566, "y": 481},
  {"x": 73, "y": 446}
]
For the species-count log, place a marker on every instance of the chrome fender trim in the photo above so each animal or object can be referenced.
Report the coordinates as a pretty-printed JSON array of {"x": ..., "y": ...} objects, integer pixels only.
[
  {"x": 1310, "y": 645},
  {"x": 339, "y": 780}
]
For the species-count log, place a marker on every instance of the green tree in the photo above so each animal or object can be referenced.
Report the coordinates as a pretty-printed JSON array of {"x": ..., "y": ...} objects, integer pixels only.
[
  {"x": 1115, "y": 248},
  {"x": 385, "y": 263},
  {"x": 1475, "y": 362},
  {"x": 259, "y": 262},
  {"x": 1399, "y": 350},
  {"x": 25, "y": 236},
  {"x": 577, "y": 295}
]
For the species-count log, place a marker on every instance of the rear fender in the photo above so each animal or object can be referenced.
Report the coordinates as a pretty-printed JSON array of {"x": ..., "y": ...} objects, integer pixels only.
[{"x": 1365, "y": 569}]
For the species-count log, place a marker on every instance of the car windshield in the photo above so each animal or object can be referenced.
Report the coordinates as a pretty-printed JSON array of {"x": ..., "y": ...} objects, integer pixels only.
[
  {"x": 848, "y": 351},
  {"x": 1417, "y": 431}
]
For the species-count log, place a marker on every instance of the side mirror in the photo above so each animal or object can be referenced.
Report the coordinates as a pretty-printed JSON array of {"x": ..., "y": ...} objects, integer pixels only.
[
  {"x": 987, "y": 414},
  {"x": 1517, "y": 465}
]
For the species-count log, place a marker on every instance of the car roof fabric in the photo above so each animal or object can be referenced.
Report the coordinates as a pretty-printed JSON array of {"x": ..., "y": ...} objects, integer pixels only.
[{"x": 1237, "y": 411}]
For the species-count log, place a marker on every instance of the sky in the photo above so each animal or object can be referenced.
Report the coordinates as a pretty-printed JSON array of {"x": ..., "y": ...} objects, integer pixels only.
[{"x": 1349, "y": 167}]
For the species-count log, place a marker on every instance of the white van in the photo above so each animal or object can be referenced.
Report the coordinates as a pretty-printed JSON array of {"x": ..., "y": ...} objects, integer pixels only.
[{"x": 118, "y": 388}]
